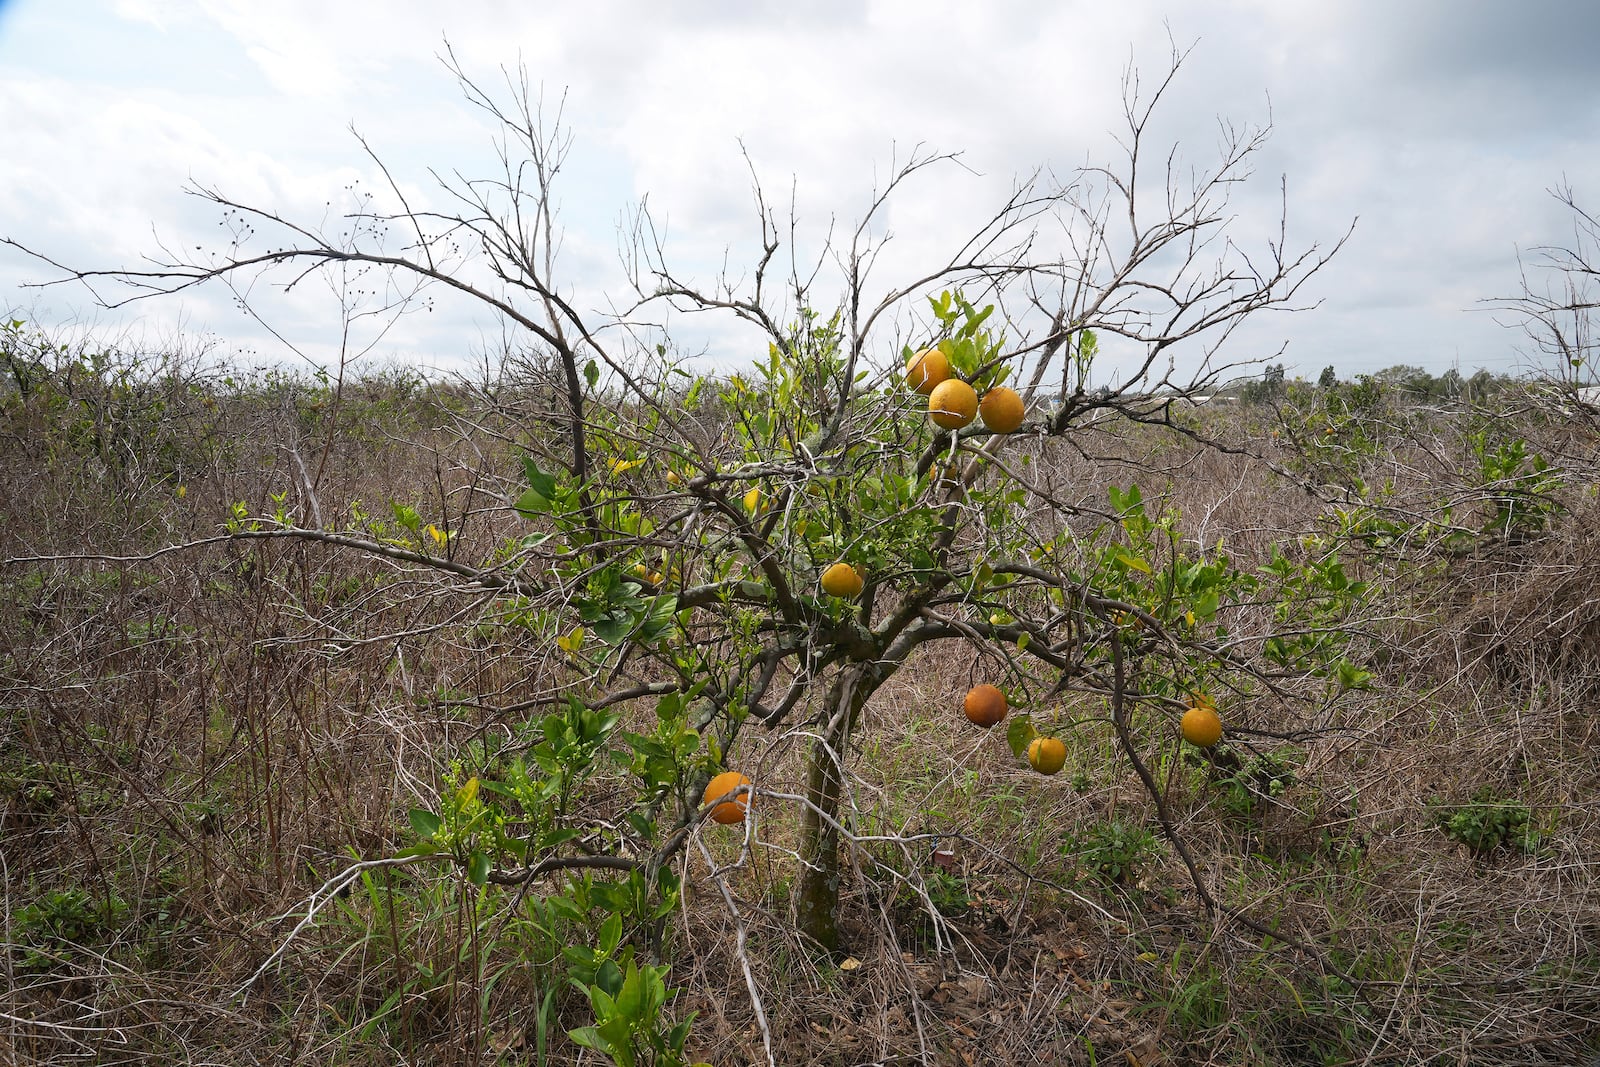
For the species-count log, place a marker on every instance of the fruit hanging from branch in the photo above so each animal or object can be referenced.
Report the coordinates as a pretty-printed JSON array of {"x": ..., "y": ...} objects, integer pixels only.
[
  {"x": 1002, "y": 409},
  {"x": 1201, "y": 726},
  {"x": 953, "y": 404},
  {"x": 985, "y": 705},
  {"x": 843, "y": 581},
  {"x": 729, "y": 809},
  {"x": 1047, "y": 755},
  {"x": 926, "y": 370}
]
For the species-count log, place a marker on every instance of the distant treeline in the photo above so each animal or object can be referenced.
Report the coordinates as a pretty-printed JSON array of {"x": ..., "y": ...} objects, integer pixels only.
[{"x": 1401, "y": 380}]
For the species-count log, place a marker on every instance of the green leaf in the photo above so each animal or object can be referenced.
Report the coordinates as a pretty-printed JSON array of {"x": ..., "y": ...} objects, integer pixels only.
[
  {"x": 405, "y": 515},
  {"x": 589, "y": 1037},
  {"x": 609, "y": 979},
  {"x": 613, "y": 628},
  {"x": 610, "y": 933},
  {"x": 541, "y": 490},
  {"x": 618, "y": 1033},
  {"x": 532, "y": 504},
  {"x": 591, "y": 373},
  {"x": 1353, "y": 677},
  {"x": 1020, "y": 734},
  {"x": 478, "y": 867},
  {"x": 424, "y": 822},
  {"x": 552, "y": 838},
  {"x": 631, "y": 997},
  {"x": 658, "y": 619}
]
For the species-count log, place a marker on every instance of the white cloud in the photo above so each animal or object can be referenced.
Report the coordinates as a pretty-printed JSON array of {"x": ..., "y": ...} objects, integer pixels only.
[{"x": 1441, "y": 125}]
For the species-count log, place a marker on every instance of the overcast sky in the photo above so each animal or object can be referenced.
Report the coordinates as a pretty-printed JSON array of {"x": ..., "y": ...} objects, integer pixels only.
[{"x": 1438, "y": 124}]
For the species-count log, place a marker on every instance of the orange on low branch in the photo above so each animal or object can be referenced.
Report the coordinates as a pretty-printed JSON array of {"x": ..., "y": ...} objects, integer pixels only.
[
  {"x": 926, "y": 370},
  {"x": 1201, "y": 726},
  {"x": 985, "y": 705},
  {"x": 842, "y": 580},
  {"x": 1047, "y": 755},
  {"x": 1002, "y": 409},
  {"x": 953, "y": 404},
  {"x": 728, "y": 810}
]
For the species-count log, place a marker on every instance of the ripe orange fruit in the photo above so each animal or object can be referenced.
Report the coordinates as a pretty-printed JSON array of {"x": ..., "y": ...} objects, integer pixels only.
[
  {"x": 674, "y": 479},
  {"x": 985, "y": 705},
  {"x": 926, "y": 370},
  {"x": 729, "y": 811},
  {"x": 1002, "y": 410},
  {"x": 1047, "y": 755},
  {"x": 842, "y": 580},
  {"x": 953, "y": 404},
  {"x": 1201, "y": 726}
]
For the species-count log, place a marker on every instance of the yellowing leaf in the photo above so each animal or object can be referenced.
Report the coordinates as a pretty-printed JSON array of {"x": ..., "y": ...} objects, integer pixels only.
[
  {"x": 571, "y": 642},
  {"x": 849, "y": 963},
  {"x": 1128, "y": 559},
  {"x": 439, "y": 536},
  {"x": 619, "y": 466}
]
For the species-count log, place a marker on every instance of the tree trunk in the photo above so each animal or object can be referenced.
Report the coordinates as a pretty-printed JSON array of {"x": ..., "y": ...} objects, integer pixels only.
[{"x": 817, "y": 899}]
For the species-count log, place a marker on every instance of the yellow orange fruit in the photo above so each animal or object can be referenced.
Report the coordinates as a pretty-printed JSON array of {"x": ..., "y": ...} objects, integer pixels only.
[
  {"x": 952, "y": 404},
  {"x": 674, "y": 479},
  {"x": 1047, "y": 755},
  {"x": 926, "y": 370},
  {"x": 1201, "y": 726},
  {"x": 985, "y": 705},
  {"x": 842, "y": 580},
  {"x": 732, "y": 810},
  {"x": 1002, "y": 410}
]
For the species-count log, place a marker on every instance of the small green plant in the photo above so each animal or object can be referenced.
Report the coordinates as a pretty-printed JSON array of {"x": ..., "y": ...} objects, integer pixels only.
[
  {"x": 60, "y": 920},
  {"x": 1199, "y": 997},
  {"x": 626, "y": 998},
  {"x": 28, "y": 789},
  {"x": 1111, "y": 851},
  {"x": 948, "y": 893},
  {"x": 1487, "y": 823},
  {"x": 1269, "y": 775},
  {"x": 1520, "y": 487}
]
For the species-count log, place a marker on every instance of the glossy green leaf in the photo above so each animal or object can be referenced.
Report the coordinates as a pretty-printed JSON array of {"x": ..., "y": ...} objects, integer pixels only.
[{"x": 424, "y": 822}]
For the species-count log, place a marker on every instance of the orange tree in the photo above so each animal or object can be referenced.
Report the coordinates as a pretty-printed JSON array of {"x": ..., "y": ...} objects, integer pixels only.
[{"x": 677, "y": 526}]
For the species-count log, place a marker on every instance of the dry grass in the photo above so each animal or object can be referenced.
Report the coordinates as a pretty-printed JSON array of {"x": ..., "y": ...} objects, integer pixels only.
[{"x": 192, "y": 743}]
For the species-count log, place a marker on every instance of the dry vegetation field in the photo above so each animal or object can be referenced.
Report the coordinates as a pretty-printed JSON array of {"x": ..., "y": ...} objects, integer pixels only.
[{"x": 199, "y": 732}]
